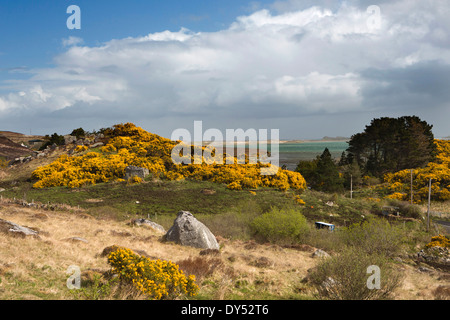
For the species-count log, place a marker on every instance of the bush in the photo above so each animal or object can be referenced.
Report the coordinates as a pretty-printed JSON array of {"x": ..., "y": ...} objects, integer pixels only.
[
  {"x": 345, "y": 276},
  {"x": 439, "y": 241},
  {"x": 285, "y": 226},
  {"x": 376, "y": 236},
  {"x": 406, "y": 209},
  {"x": 158, "y": 279}
]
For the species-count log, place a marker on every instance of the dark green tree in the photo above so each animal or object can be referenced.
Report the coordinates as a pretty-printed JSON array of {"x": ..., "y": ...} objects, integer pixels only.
[
  {"x": 322, "y": 173},
  {"x": 328, "y": 177},
  {"x": 392, "y": 144},
  {"x": 79, "y": 133}
]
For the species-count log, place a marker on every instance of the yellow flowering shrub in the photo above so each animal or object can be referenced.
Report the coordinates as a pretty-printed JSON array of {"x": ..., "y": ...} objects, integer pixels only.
[
  {"x": 131, "y": 145},
  {"x": 135, "y": 180},
  {"x": 80, "y": 149},
  {"x": 157, "y": 279},
  {"x": 397, "y": 196},
  {"x": 439, "y": 241},
  {"x": 438, "y": 171}
]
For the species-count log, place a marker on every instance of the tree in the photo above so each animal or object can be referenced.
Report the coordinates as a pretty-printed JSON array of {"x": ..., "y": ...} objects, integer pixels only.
[
  {"x": 79, "y": 133},
  {"x": 53, "y": 139},
  {"x": 328, "y": 176},
  {"x": 392, "y": 144},
  {"x": 321, "y": 174}
]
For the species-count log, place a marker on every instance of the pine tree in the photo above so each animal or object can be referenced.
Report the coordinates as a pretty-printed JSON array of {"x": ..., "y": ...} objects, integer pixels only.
[{"x": 328, "y": 177}]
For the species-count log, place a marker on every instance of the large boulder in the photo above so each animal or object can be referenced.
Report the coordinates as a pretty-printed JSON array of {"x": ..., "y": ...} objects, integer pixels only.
[
  {"x": 188, "y": 231},
  {"x": 132, "y": 171}
]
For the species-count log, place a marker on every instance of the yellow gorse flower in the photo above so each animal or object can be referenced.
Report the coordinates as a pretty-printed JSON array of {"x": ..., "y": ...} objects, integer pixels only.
[
  {"x": 158, "y": 279},
  {"x": 438, "y": 171},
  {"x": 131, "y": 145}
]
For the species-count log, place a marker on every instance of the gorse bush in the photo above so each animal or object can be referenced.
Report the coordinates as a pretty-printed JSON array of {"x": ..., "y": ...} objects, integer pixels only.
[
  {"x": 439, "y": 241},
  {"x": 158, "y": 279},
  {"x": 438, "y": 171},
  {"x": 131, "y": 145},
  {"x": 285, "y": 226}
]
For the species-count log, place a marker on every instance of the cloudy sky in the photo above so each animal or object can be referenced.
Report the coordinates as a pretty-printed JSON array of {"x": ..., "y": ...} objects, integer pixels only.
[{"x": 308, "y": 68}]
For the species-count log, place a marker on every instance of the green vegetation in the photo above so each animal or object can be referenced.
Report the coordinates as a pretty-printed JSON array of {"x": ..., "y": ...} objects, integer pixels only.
[
  {"x": 280, "y": 226},
  {"x": 268, "y": 214},
  {"x": 391, "y": 145}
]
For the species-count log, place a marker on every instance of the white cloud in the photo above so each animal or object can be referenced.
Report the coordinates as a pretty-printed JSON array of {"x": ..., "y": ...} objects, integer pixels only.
[
  {"x": 305, "y": 60},
  {"x": 72, "y": 41}
]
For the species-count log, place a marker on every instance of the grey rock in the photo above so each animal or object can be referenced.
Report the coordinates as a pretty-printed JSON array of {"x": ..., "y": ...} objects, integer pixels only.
[
  {"x": 149, "y": 224},
  {"x": 76, "y": 239},
  {"x": 17, "y": 230},
  {"x": 320, "y": 254},
  {"x": 97, "y": 144},
  {"x": 132, "y": 171},
  {"x": 188, "y": 231}
]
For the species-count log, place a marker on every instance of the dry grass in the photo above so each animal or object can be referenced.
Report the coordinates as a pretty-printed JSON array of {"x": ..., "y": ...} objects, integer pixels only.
[{"x": 36, "y": 268}]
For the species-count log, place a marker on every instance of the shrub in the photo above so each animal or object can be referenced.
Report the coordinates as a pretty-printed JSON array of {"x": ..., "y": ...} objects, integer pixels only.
[
  {"x": 158, "y": 279},
  {"x": 375, "y": 236},
  {"x": 345, "y": 276},
  {"x": 135, "y": 180},
  {"x": 200, "y": 267},
  {"x": 439, "y": 241},
  {"x": 131, "y": 145},
  {"x": 284, "y": 226},
  {"x": 406, "y": 209}
]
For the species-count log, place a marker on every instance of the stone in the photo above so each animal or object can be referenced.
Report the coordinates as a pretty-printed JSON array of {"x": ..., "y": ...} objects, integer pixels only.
[
  {"x": 97, "y": 144},
  {"x": 17, "y": 230},
  {"x": 149, "y": 224},
  {"x": 188, "y": 231},
  {"x": 76, "y": 239},
  {"x": 320, "y": 254},
  {"x": 132, "y": 171},
  {"x": 68, "y": 139},
  {"x": 437, "y": 257}
]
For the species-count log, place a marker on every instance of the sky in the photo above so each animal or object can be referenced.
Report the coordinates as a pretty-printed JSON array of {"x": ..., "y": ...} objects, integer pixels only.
[{"x": 307, "y": 68}]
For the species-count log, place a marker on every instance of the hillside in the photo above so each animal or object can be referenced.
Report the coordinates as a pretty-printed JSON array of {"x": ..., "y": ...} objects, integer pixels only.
[
  {"x": 33, "y": 268},
  {"x": 19, "y": 137},
  {"x": 10, "y": 149},
  {"x": 76, "y": 198}
]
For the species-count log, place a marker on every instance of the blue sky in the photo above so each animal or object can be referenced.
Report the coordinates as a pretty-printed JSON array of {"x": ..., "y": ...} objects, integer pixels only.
[
  {"x": 32, "y": 30},
  {"x": 308, "y": 68}
]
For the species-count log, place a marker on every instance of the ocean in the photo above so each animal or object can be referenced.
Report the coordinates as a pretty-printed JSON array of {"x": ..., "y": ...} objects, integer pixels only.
[{"x": 292, "y": 152}]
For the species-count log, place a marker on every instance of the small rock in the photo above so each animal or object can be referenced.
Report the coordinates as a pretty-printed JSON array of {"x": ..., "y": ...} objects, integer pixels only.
[
  {"x": 76, "y": 239},
  {"x": 425, "y": 269},
  {"x": 320, "y": 254},
  {"x": 149, "y": 224}
]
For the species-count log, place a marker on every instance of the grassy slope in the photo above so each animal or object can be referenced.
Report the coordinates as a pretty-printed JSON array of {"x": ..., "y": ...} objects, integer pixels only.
[
  {"x": 36, "y": 269},
  {"x": 32, "y": 269}
]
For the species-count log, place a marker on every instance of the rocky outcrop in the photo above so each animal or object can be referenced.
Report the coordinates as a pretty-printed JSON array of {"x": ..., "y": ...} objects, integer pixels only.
[
  {"x": 188, "y": 231},
  {"x": 14, "y": 229},
  {"x": 438, "y": 257}
]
